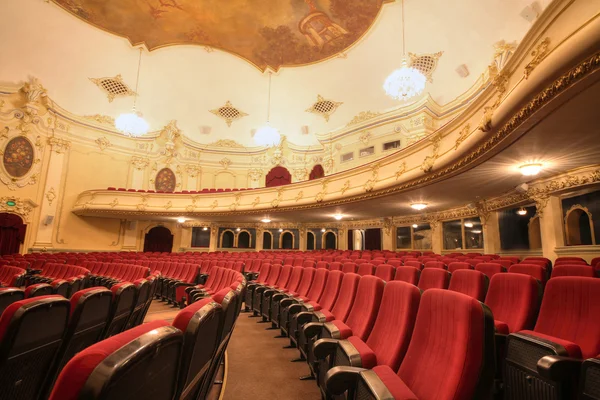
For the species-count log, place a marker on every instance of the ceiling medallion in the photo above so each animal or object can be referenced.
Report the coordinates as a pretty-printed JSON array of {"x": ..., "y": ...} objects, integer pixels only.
[
  {"x": 113, "y": 87},
  {"x": 228, "y": 112},
  {"x": 425, "y": 63},
  {"x": 324, "y": 107}
]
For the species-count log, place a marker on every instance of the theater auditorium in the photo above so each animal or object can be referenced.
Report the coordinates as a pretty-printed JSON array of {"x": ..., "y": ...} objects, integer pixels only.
[{"x": 300, "y": 200}]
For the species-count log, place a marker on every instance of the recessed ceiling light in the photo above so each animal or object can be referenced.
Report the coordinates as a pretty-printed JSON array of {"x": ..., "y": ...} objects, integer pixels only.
[
  {"x": 476, "y": 231},
  {"x": 181, "y": 220},
  {"x": 238, "y": 229},
  {"x": 468, "y": 224},
  {"x": 522, "y": 211},
  {"x": 323, "y": 230},
  {"x": 265, "y": 220},
  {"x": 415, "y": 226},
  {"x": 338, "y": 216},
  {"x": 419, "y": 206},
  {"x": 205, "y": 228},
  {"x": 280, "y": 230},
  {"x": 530, "y": 169}
]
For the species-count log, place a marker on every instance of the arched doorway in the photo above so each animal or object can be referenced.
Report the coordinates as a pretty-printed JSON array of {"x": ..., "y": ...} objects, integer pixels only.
[
  {"x": 278, "y": 176},
  {"x": 579, "y": 227},
  {"x": 267, "y": 240},
  {"x": 244, "y": 240},
  {"x": 317, "y": 172},
  {"x": 12, "y": 233},
  {"x": 330, "y": 241},
  {"x": 286, "y": 240},
  {"x": 158, "y": 238},
  {"x": 227, "y": 239},
  {"x": 310, "y": 241}
]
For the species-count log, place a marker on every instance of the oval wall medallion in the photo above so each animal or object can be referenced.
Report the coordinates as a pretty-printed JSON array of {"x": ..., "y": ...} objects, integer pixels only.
[
  {"x": 165, "y": 180},
  {"x": 18, "y": 157}
]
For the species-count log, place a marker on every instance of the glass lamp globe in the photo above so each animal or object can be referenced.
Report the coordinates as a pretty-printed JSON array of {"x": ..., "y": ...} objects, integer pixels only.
[
  {"x": 405, "y": 82},
  {"x": 267, "y": 136},
  {"x": 132, "y": 124}
]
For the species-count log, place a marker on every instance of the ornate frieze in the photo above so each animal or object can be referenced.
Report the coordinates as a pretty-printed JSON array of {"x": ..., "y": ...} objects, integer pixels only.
[
  {"x": 59, "y": 145},
  {"x": 140, "y": 163},
  {"x": 22, "y": 207},
  {"x": 538, "y": 54},
  {"x": 103, "y": 143}
]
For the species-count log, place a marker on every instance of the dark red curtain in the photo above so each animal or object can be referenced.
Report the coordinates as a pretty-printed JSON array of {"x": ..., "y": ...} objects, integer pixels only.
[
  {"x": 278, "y": 176},
  {"x": 373, "y": 239},
  {"x": 12, "y": 233},
  {"x": 160, "y": 239},
  {"x": 317, "y": 172}
]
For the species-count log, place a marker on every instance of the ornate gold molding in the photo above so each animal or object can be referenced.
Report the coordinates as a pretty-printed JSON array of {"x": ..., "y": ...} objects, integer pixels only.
[
  {"x": 462, "y": 135},
  {"x": 324, "y": 107},
  {"x": 225, "y": 163},
  {"x": 101, "y": 119},
  {"x": 140, "y": 163},
  {"x": 228, "y": 113},
  {"x": 22, "y": 207},
  {"x": 103, "y": 143},
  {"x": 113, "y": 87},
  {"x": 50, "y": 196},
  {"x": 59, "y": 145},
  {"x": 362, "y": 117},
  {"x": 232, "y": 144},
  {"x": 538, "y": 54},
  {"x": 401, "y": 170}
]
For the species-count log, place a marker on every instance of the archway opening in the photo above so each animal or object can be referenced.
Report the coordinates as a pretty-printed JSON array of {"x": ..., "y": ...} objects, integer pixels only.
[
  {"x": 227, "y": 240},
  {"x": 267, "y": 240},
  {"x": 159, "y": 239},
  {"x": 579, "y": 228},
  {"x": 244, "y": 240},
  {"x": 12, "y": 233},
  {"x": 330, "y": 241},
  {"x": 310, "y": 241},
  {"x": 278, "y": 176},
  {"x": 317, "y": 172},
  {"x": 287, "y": 240}
]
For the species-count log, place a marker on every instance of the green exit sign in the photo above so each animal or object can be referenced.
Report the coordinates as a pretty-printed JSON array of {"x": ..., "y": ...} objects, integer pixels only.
[{"x": 11, "y": 203}]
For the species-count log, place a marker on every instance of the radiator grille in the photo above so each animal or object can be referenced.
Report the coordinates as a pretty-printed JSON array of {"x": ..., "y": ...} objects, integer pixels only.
[
  {"x": 592, "y": 382},
  {"x": 526, "y": 354},
  {"x": 363, "y": 392}
]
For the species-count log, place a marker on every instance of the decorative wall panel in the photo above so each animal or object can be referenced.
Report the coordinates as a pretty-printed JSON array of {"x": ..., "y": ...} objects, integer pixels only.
[
  {"x": 18, "y": 157},
  {"x": 165, "y": 180}
]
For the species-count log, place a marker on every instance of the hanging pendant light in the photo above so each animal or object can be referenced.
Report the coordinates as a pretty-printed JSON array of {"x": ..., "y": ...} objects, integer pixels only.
[
  {"x": 132, "y": 124},
  {"x": 405, "y": 82},
  {"x": 266, "y": 135}
]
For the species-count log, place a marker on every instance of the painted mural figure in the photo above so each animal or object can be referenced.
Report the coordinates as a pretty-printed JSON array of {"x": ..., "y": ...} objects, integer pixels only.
[{"x": 18, "y": 157}]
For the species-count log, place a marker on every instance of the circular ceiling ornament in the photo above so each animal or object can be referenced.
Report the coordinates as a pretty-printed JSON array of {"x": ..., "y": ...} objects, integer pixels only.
[{"x": 266, "y": 34}]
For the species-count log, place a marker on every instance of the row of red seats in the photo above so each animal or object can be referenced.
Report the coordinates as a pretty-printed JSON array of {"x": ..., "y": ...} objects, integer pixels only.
[
  {"x": 35, "y": 357},
  {"x": 218, "y": 279},
  {"x": 513, "y": 298},
  {"x": 108, "y": 274},
  {"x": 12, "y": 276},
  {"x": 182, "y": 192},
  {"x": 64, "y": 278},
  {"x": 63, "y": 363}
]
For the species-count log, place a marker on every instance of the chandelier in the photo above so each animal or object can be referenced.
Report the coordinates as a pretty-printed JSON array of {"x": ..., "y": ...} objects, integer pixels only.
[
  {"x": 405, "y": 82},
  {"x": 132, "y": 124},
  {"x": 266, "y": 135}
]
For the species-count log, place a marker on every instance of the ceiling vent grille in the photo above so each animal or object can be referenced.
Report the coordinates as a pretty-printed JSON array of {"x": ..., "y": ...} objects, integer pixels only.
[
  {"x": 113, "y": 87},
  {"x": 324, "y": 107},
  {"x": 228, "y": 113},
  {"x": 426, "y": 63}
]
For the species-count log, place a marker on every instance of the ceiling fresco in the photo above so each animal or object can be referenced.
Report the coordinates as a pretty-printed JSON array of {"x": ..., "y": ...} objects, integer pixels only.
[{"x": 265, "y": 33}]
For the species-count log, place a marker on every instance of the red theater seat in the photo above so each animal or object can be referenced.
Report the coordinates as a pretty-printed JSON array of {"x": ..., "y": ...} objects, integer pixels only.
[
  {"x": 123, "y": 301},
  {"x": 388, "y": 340},
  {"x": 456, "y": 265},
  {"x": 31, "y": 334},
  {"x": 534, "y": 270},
  {"x": 141, "y": 363},
  {"x": 434, "y": 367},
  {"x": 548, "y": 358},
  {"x": 572, "y": 270},
  {"x": 407, "y": 274},
  {"x": 9, "y": 296},
  {"x": 470, "y": 282},
  {"x": 434, "y": 278},
  {"x": 490, "y": 268}
]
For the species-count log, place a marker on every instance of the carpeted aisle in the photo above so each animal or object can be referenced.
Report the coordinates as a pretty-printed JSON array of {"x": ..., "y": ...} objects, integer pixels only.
[{"x": 258, "y": 367}]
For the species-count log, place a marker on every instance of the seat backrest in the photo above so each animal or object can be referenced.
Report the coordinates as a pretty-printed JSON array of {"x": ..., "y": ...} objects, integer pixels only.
[
  {"x": 345, "y": 298},
  {"x": 305, "y": 283},
  {"x": 349, "y": 267},
  {"x": 366, "y": 304},
  {"x": 331, "y": 290},
  {"x": 335, "y": 266},
  {"x": 470, "y": 282},
  {"x": 534, "y": 270},
  {"x": 570, "y": 311},
  {"x": 396, "y": 262},
  {"x": 456, "y": 265},
  {"x": 572, "y": 270},
  {"x": 385, "y": 272},
  {"x": 122, "y": 305},
  {"x": 113, "y": 368},
  {"x": 365, "y": 269},
  {"x": 9, "y": 296},
  {"x": 435, "y": 264},
  {"x": 434, "y": 278},
  {"x": 318, "y": 284},
  {"x": 514, "y": 300},
  {"x": 407, "y": 274},
  {"x": 295, "y": 278},
  {"x": 322, "y": 264},
  {"x": 90, "y": 310},
  {"x": 31, "y": 333},
  {"x": 200, "y": 323},
  {"x": 284, "y": 276},
  {"x": 393, "y": 328},
  {"x": 414, "y": 263},
  {"x": 490, "y": 268},
  {"x": 466, "y": 362}
]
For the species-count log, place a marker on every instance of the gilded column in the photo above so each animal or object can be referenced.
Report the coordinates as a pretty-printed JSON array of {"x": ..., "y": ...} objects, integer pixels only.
[
  {"x": 437, "y": 237},
  {"x": 491, "y": 234},
  {"x": 551, "y": 224}
]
